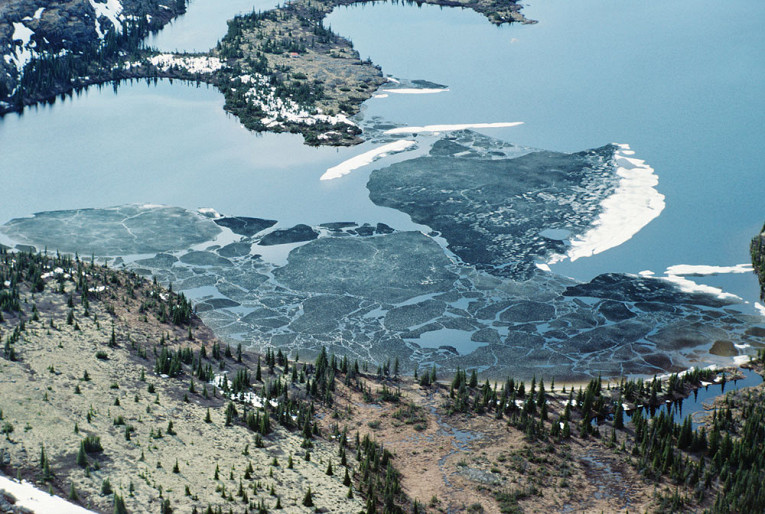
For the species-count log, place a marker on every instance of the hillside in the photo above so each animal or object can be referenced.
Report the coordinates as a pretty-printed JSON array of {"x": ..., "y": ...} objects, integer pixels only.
[{"x": 113, "y": 394}]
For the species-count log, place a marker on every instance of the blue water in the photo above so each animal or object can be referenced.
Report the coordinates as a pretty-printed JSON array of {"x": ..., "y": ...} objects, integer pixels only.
[
  {"x": 694, "y": 404},
  {"x": 681, "y": 82},
  {"x": 171, "y": 144},
  {"x": 204, "y": 24}
]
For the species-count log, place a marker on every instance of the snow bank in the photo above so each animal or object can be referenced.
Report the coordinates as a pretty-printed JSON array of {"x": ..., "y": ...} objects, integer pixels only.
[
  {"x": 111, "y": 10},
  {"x": 630, "y": 208},
  {"x": 353, "y": 163},
  {"x": 21, "y": 54},
  {"x": 29, "y": 497},
  {"x": 447, "y": 128}
]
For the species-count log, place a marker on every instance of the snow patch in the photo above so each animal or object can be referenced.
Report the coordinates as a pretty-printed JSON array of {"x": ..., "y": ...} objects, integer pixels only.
[
  {"x": 193, "y": 64},
  {"x": 366, "y": 158},
  {"x": 760, "y": 308},
  {"x": 22, "y": 54},
  {"x": 29, "y": 497},
  {"x": 447, "y": 128},
  {"x": 279, "y": 110},
  {"x": 630, "y": 208},
  {"x": 110, "y": 10},
  {"x": 38, "y": 13}
]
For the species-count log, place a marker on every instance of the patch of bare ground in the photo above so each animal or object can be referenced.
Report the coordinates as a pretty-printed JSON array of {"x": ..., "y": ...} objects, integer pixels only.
[{"x": 480, "y": 463}]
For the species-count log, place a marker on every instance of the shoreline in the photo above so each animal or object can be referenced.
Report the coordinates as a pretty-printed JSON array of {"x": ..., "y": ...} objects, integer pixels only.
[{"x": 270, "y": 85}]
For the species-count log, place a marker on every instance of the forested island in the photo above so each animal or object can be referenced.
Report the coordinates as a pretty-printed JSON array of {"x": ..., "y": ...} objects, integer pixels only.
[
  {"x": 279, "y": 70},
  {"x": 115, "y": 396}
]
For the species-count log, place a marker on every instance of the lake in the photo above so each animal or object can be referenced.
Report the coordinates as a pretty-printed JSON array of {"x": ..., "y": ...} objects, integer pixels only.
[{"x": 688, "y": 100}]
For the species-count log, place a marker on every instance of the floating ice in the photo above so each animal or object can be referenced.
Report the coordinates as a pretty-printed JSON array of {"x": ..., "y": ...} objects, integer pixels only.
[
  {"x": 447, "y": 128},
  {"x": 689, "y": 286},
  {"x": 630, "y": 208},
  {"x": 358, "y": 161},
  {"x": 415, "y": 91},
  {"x": 703, "y": 270}
]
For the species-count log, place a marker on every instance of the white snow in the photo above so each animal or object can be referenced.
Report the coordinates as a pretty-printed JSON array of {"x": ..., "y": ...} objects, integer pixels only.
[
  {"x": 741, "y": 359},
  {"x": 542, "y": 266},
  {"x": 702, "y": 270},
  {"x": 194, "y": 64},
  {"x": 760, "y": 308},
  {"x": 646, "y": 273},
  {"x": 415, "y": 91},
  {"x": 281, "y": 110},
  {"x": 110, "y": 10},
  {"x": 38, "y": 13},
  {"x": 209, "y": 212},
  {"x": 689, "y": 286},
  {"x": 353, "y": 163},
  {"x": 28, "y": 496},
  {"x": 630, "y": 208},
  {"x": 380, "y": 96},
  {"x": 447, "y": 128},
  {"x": 22, "y": 54}
]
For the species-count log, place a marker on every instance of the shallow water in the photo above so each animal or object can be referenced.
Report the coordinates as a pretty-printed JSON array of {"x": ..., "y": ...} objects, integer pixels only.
[{"x": 694, "y": 405}]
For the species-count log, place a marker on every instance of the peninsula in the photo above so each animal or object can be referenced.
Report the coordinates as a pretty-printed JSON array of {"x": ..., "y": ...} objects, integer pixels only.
[{"x": 280, "y": 70}]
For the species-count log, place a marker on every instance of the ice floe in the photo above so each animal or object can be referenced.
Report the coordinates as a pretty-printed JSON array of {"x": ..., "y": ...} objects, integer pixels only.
[
  {"x": 624, "y": 213},
  {"x": 689, "y": 286},
  {"x": 452, "y": 127},
  {"x": 29, "y": 497},
  {"x": 358, "y": 161},
  {"x": 703, "y": 270},
  {"x": 415, "y": 91}
]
